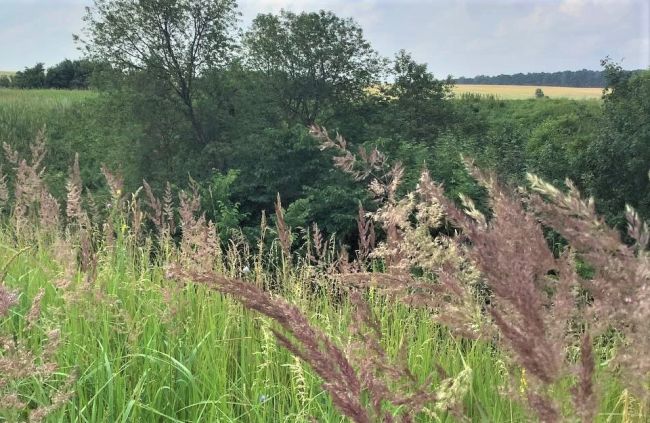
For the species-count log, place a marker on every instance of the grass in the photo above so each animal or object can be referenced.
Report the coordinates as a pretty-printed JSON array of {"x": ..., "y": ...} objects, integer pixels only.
[
  {"x": 45, "y": 99},
  {"x": 521, "y": 92},
  {"x": 23, "y": 112},
  {"x": 148, "y": 350}
]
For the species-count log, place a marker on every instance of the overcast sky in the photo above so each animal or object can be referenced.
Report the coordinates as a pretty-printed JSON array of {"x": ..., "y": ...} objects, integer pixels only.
[{"x": 461, "y": 38}]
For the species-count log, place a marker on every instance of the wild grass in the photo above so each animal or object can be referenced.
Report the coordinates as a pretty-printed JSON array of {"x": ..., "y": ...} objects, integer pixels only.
[
  {"x": 139, "y": 341},
  {"x": 45, "y": 99},
  {"x": 23, "y": 112}
]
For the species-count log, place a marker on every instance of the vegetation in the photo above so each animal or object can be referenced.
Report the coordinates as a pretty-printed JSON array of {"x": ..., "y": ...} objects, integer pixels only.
[
  {"x": 581, "y": 78},
  {"x": 66, "y": 75},
  {"x": 103, "y": 325},
  {"x": 186, "y": 251}
]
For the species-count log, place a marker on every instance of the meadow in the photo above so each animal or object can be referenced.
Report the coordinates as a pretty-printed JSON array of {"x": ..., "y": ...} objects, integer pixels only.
[
  {"x": 224, "y": 224},
  {"x": 111, "y": 336},
  {"x": 521, "y": 92}
]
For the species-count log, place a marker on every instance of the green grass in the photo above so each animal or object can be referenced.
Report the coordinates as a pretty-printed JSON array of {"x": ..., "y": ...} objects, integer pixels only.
[
  {"x": 42, "y": 99},
  {"x": 75, "y": 121},
  {"x": 147, "y": 350},
  {"x": 24, "y": 111}
]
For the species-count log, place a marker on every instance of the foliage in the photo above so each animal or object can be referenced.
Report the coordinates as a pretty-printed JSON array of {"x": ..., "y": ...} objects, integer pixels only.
[
  {"x": 218, "y": 204},
  {"x": 128, "y": 332},
  {"x": 33, "y": 77},
  {"x": 618, "y": 158},
  {"x": 418, "y": 109},
  {"x": 5, "y": 81},
  {"x": 174, "y": 40},
  {"x": 70, "y": 75},
  {"x": 580, "y": 78},
  {"x": 311, "y": 61}
]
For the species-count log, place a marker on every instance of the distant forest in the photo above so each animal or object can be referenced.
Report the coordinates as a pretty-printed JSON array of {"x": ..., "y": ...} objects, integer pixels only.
[{"x": 580, "y": 78}]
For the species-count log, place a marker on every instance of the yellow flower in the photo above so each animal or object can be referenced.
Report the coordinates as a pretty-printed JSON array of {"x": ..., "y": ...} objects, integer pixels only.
[{"x": 523, "y": 383}]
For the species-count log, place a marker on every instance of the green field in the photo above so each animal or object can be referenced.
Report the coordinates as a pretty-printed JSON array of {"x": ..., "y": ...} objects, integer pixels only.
[{"x": 521, "y": 92}]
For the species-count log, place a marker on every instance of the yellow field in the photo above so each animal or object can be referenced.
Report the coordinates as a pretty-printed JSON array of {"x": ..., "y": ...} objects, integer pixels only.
[
  {"x": 521, "y": 92},
  {"x": 3, "y": 73}
]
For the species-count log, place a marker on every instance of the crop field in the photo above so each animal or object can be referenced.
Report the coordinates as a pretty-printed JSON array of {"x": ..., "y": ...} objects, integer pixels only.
[{"x": 522, "y": 92}]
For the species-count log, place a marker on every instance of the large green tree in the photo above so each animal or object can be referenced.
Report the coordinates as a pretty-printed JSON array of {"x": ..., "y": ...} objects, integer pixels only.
[
  {"x": 618, "y": 160},
  {"x": 312, "y": 61},
  {"x": 33, "y": 77},
  {"x": 173, "y": 40},
  {"x": 418, "y": 107}
]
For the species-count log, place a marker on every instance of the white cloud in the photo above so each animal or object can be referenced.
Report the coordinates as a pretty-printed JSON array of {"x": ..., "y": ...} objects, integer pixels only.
[{"x": 464, "y": 37}]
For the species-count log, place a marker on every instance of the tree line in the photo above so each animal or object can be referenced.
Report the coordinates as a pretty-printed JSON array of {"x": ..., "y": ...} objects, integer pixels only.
[
  {"x": 68, "y": 74},
  {"x": 580, "y": 78}
]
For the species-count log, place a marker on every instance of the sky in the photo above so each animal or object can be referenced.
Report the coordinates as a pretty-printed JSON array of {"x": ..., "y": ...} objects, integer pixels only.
[{"x": 459, "y": 38}]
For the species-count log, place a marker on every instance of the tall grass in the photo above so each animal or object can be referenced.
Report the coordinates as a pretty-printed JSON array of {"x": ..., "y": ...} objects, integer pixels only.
[
  {"x": 144, "y": 349},
  {"x": 23, "y": 112}
]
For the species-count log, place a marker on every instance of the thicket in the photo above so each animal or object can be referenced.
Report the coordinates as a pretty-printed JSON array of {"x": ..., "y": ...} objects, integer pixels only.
[{"x": 256, "y": 152}]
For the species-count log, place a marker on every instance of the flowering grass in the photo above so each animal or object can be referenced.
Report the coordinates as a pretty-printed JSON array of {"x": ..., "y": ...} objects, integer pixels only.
[{"x": 144, "y": 349}]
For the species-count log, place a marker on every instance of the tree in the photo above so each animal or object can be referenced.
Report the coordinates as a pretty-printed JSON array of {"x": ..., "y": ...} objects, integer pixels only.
[
  {"x": 619, "y": 159},
  {"x": 69, "y": 74},
  {"x": 418, "y": 108},
  {"x": 312, "y": 61},
  {"x": 539, "y": 93},
  {"x": 5, "y": 81},
  {"x": 33, "y": 77},
  {"x": 174, "y": 40}
]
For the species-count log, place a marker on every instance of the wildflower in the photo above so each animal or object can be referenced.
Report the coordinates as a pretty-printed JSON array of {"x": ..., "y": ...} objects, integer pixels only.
[
  {"x": 523, "y": 383},
  {"x": 263, "y": 398},
  {"x": 246, "y": 270}
]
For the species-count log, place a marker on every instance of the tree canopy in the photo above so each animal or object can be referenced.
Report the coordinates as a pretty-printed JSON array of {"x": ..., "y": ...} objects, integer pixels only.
[
  {"x": 312, "y": 60},
  {"x": 174, "y": 40}
]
